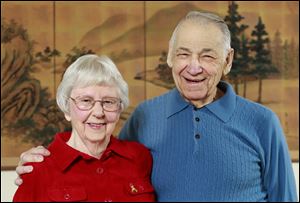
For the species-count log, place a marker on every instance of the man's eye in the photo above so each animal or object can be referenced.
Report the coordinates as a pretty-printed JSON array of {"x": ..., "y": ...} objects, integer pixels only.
[
  {"x": 182, "y": 55},
  {"x": 208, "y": 56}
]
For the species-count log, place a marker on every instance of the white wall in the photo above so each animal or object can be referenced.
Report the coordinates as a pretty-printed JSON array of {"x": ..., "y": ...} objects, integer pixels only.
[{"x": 8, "y": 187}]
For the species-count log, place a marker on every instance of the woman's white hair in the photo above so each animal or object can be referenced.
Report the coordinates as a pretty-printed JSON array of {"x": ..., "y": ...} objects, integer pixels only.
[
  {"x": 203, "y": 18},
  {"x": 91, "y": 70}
]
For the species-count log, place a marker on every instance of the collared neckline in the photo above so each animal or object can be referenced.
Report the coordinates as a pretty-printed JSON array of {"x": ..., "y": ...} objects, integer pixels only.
[
  {"x": 176, "y": 103},
  {"x": 224, "y": 107},
  {"x": 64, "y": 155}
]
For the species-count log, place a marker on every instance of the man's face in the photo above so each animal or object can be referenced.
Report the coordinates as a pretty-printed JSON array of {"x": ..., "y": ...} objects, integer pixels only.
[{"x": 198, "y": 61}]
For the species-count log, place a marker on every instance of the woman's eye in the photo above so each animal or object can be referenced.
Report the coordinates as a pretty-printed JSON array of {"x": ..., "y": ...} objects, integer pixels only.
[
  {"x": 108, "y": 102},
  {"x": 86, "y": 100}
]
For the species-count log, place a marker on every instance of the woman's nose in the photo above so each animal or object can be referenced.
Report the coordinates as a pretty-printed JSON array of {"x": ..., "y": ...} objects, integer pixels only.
[{"x": 98, "y": 110}]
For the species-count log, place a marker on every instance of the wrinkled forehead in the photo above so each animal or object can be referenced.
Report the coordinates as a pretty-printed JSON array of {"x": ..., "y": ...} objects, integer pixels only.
[{"x": 197, "y": 35}]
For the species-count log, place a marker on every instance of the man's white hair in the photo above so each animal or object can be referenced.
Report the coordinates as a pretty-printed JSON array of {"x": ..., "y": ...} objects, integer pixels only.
[{"x": 202, "y": 18}]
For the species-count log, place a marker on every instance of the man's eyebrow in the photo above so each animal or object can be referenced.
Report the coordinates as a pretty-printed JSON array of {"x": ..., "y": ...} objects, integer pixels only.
[
  {"x": 207, "y": 50},
  {"x": 183, "y": 49}
]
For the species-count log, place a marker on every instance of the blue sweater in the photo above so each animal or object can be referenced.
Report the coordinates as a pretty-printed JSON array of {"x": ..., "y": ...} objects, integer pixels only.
[{"x": 229, "y": 150}]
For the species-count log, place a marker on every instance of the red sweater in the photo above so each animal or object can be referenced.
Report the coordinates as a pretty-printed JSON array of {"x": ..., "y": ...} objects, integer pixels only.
[{"x": 122, "y": 174}]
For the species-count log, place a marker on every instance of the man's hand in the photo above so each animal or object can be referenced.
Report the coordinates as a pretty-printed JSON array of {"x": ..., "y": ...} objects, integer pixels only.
[{"x": 35, "y": 154}]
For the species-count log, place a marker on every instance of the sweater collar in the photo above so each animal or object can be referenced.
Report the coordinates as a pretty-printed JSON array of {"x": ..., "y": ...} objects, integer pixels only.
[
  {"x": 176, "y": 103},
  {"x": 223, "y": 108}
]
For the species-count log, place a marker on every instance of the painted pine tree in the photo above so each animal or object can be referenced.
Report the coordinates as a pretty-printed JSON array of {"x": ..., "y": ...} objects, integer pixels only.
[{"x": 261, "y": 60}]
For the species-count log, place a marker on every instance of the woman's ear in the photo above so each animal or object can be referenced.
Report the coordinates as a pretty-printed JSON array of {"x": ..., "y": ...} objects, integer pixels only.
[
  {"x": 67, "y": 116},
  {"x": 229, "y": 59}
]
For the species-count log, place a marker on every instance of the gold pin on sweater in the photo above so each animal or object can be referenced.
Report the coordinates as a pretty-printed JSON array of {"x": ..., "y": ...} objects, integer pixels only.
[{"x": 133, "y": 189}]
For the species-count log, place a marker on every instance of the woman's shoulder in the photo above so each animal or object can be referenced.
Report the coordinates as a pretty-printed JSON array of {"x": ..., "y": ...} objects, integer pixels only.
[
  {"x": 140, "y": 156},
  {"x": 133, "y": 146},
  {"x": 39, "y": 167},
  {"x": 132, "y": 149},
  {"x": 37, "y": 175}
]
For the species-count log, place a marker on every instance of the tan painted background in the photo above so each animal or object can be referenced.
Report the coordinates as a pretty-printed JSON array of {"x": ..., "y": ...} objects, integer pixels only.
[{"x": 134, "y": 34}]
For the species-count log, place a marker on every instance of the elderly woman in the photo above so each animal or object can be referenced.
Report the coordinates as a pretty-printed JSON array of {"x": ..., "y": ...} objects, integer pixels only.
[{"x": 89, "y": 164}]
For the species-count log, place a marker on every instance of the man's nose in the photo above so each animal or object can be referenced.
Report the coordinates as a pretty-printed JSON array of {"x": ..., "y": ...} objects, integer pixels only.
[{"x": 195, "y": 67}]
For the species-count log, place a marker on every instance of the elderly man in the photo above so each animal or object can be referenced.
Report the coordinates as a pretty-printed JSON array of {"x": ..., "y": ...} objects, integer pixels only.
[{"x": 207, "y": 143}]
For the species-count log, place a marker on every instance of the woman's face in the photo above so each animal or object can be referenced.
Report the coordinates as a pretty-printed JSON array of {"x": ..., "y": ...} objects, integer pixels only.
[{"x": 96, "y": 124}]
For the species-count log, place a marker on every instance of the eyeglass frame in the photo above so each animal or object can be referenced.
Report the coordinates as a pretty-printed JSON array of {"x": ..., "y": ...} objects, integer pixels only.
[{"x": 101, "y": 103}]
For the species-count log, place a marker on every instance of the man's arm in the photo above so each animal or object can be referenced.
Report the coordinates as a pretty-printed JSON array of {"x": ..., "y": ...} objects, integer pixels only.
[
  {"x": 131, "y": 127},
  {"x": 279, "y": 178},
  {"x": 35, "y": 154}
]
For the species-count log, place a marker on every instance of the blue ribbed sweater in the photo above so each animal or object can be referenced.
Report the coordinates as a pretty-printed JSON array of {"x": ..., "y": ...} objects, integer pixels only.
[{"x": 230, "y": 150}]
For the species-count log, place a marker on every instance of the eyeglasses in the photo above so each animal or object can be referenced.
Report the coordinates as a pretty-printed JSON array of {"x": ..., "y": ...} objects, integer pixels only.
[{"x": 109, "y": 104}]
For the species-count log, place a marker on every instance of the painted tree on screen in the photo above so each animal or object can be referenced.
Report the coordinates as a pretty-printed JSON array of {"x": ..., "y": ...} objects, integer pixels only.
[
  {"x": 262, "y": 61},
  {"x": 236, "y": 29}
]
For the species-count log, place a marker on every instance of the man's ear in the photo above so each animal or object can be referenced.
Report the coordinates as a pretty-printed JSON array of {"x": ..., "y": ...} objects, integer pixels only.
[
  {"x": 170, "y": 57},
  {"x": 229, "y": 59},
  {"x": 67, "y": 116}
]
